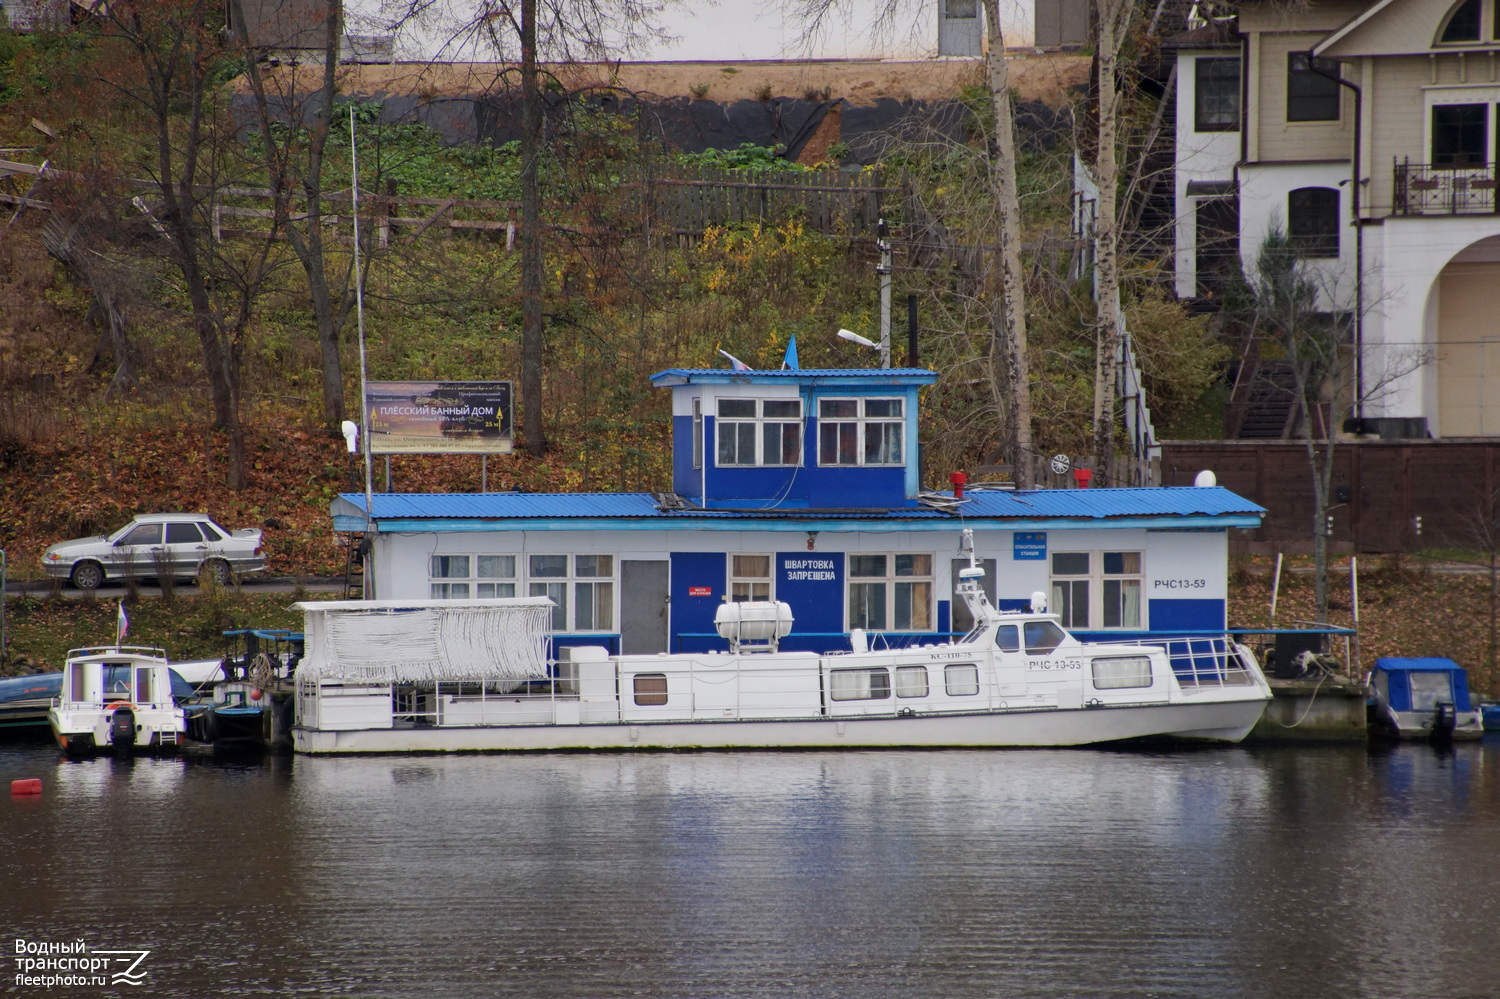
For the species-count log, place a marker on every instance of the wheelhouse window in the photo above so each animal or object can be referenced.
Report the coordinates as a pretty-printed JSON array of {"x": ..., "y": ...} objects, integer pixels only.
[
  {"x": 759, "y": 432},
  {"x": 1310, "y": 95},
  {"x": 460, "y": 577},
  {"x": 749, "y": 577},
  {"x": 1097, "y": 590},
  {"x": 1216, "y": 94},
  {"x": 1313, "y": 221},
  {"x": 1463, "y": 23},
  {"x": 859, "y": 684},
  {"x": 861, "y": 431},
  {"x": 1460, "y": 135},
  {"x": 890, "y": 592},
  {"x": 582, "y": 589}
]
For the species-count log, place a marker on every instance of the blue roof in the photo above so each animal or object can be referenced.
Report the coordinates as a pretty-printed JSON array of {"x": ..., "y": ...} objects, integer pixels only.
[
  {"x": 1424, "y": 664},
  {"x": 725, "y": 376},
  {"x": 1035, "y": 509},
  {"x": 1096, "y": 504}
]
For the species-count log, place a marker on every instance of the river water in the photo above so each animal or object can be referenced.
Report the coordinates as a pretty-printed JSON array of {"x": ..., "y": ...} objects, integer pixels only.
[{"x": 1306, "y": 872}]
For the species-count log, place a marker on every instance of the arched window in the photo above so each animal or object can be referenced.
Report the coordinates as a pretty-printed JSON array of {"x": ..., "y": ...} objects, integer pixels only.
[
  {"x": 1463, "y": 22},
  {"x": 1313, "y": 221}
]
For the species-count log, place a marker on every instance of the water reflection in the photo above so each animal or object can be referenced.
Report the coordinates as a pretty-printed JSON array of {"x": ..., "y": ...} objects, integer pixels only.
[{"x": 1298, "y": 872}]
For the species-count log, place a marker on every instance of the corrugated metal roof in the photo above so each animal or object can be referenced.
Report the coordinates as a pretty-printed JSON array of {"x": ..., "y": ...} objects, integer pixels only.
[
  {"x": 1181, "y": 501},
  {"x": 1068, "y": 504},
  {"x": 903, "y": 376}
]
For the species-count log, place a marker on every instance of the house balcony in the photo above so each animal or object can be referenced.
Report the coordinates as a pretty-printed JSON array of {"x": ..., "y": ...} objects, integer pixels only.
[{"x": 1424, "y": 189}]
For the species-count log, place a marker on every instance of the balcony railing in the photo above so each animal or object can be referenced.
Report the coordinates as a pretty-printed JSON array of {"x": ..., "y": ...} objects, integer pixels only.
[{"x": 1424, "y": 189}]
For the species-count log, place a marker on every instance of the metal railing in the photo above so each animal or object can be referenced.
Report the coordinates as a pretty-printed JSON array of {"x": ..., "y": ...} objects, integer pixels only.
[
  {"x": 1426, "y": 189},
  {"x": 1200, "y": 660}
]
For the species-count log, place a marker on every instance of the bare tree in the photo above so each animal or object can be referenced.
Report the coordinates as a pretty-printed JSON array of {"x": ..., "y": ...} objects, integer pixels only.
[
  {"x": 529, "y": 34},
  {"x": 294, "y": 114},
  {"x": 1009, "y": 375},
  {"x": 173, "y": 73},
  {"x": 1111, "y": 24}
]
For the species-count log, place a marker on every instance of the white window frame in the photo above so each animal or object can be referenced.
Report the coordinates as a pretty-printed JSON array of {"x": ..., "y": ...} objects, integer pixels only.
[
  {"x": 892, "y": 580},
  {"x": 579, "y": 579},
  {"x": 1095, "y": 616},
  {"x": 762, "y": 423},
  {"x": 742, "y": 585},
  {"x": 483, "y": 576},
  {"x": 862, "y": 424},
  {"x": 698, "y": 432}
]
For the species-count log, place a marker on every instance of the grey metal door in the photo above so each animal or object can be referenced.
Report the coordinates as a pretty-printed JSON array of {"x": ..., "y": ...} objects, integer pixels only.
[{"x": 643, "y": 607}]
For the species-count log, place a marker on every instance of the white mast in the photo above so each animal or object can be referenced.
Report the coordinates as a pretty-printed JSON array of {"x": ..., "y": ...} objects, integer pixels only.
[{"x": 359, "y": 310}]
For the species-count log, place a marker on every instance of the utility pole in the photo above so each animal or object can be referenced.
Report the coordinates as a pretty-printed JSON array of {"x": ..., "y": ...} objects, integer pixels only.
[{"x": 883, "y": 244}]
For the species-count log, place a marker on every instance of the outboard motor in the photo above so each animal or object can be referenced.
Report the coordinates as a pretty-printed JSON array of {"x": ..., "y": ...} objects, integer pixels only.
[
  {"x": 1444, "y": 719},
  {"x": 122, "y": 728}
]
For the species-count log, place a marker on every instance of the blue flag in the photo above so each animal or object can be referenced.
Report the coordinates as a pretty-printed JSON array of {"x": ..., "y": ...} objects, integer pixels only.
[{"x": 790, "y": 361}]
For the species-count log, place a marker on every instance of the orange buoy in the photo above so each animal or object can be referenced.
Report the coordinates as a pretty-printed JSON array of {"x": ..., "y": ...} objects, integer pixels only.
[
  {"x": 32, "y": 785},
  {"x": 256, "y": 694}
]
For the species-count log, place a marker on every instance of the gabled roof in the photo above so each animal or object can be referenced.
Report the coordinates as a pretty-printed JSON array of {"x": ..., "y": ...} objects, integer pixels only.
[
  {"x": 1165, "y": 507},
  {"x": 1392, "y": 27}
]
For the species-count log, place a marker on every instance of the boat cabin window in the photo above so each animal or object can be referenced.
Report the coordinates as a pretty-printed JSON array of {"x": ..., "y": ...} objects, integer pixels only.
[
  {"x": 911, "y": 681},
  {"x": 116, "y": 678},
  {"x": 143, "y": 687},
  {"x": 1427, "y": 689},
  {"x": 961, "y": 679},
  {"x": 77, "y": 690},
  {"x": 1124, "y": 671},
  {"x": 651, "y": 688},
  {"x": 872, "y": 684},
  {"x": 1008, "y": 638},
  {"x": 1042, "y": 637}
]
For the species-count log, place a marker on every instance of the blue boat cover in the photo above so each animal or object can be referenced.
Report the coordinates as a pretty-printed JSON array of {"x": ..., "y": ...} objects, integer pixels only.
[{"x": 1398, "y": 680}]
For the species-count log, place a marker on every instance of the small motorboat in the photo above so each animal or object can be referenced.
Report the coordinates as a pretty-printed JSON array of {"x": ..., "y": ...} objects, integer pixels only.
[
  {"x": 239, "y": 716},
  {"x": 1422, "y": 698},
  {"x": 117, "y": 698}
]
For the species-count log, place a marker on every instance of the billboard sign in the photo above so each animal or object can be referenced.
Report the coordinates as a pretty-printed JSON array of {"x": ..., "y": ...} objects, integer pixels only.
[{"x": 439, "y": 417}]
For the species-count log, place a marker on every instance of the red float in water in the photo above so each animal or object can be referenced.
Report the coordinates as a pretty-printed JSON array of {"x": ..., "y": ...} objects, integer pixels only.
[{"x": 32, "y": 785}]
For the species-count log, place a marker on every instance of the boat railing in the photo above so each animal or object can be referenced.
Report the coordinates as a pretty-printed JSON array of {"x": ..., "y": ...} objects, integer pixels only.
[
  {"x": 1200, "y": 660},
  {"x": 823, "y": 642}
]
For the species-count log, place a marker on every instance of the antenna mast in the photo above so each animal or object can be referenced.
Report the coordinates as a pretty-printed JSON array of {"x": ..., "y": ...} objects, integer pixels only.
[{"x": 359, "y": 310}]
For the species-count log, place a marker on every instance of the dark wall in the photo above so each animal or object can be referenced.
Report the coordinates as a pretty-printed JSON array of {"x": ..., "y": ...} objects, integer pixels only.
[{"x": 1450, "y": 484}]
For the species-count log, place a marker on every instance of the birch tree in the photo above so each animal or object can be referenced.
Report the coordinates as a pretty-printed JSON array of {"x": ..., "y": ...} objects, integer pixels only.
[
  {"x": 1111, "y": 28},
  {"x": 1287, "y": 297}
]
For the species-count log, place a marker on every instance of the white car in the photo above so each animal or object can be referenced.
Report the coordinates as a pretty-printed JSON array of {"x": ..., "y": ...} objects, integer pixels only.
[{"x": 155, "y": 545}]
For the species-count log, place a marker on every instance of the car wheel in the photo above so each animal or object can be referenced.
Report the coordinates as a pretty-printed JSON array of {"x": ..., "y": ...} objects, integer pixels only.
[
  {"x": 219, "y": 571},
  {"x": 88, "y": 575}
]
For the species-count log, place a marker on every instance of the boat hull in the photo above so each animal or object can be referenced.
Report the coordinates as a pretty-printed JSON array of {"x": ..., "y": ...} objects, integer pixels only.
[{"x": 1224, "y": 721}]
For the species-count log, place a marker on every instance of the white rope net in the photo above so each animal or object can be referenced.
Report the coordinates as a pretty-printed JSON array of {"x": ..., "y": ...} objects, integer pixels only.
[{"x": 467, "y": 641}]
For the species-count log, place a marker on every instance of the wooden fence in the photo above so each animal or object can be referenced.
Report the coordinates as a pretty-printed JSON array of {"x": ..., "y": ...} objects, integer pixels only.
[{"x": 680, "y": 204}]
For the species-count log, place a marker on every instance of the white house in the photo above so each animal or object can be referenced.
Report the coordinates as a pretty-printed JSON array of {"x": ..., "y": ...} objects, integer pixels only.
[{"x": 1367, "y": 131}]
